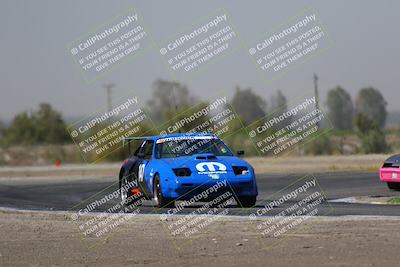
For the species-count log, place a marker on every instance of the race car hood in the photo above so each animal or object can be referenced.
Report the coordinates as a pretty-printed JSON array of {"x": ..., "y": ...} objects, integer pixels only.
[{"x": 206, "y": 163}]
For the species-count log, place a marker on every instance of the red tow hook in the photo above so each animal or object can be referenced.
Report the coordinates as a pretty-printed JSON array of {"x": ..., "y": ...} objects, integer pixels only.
[{"x": 136, "y": 192}]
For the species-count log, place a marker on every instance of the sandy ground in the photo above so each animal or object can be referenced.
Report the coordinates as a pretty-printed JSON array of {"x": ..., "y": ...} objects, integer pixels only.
[
  {"x": 44, "y": 239},
  {"x": 39, "y": 239},
  {"x": 304, "y": 164}
]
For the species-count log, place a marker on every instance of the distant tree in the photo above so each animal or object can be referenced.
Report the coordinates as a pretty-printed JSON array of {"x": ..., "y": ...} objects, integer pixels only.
[
  {"x": 248, "y": 105},
  {"x": 168, "y": 96},
  {"x": 340, "y": 108},
  {"x": 2, "y": 129},
  {"x": 186, "y": 112},
  {"x": 43, "y": 126},
  {"x": 278, "y": 106},
  {"x": 50, "y": 125},
  {"x": 371, "y": 104},
  {"x": 372, "y": 137},
  {"x": 278, "y": 102},
  {"x": 21, "y": 131}
]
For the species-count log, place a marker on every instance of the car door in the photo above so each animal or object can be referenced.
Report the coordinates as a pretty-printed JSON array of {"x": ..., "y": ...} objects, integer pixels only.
[{"x": 144, "y": 166}]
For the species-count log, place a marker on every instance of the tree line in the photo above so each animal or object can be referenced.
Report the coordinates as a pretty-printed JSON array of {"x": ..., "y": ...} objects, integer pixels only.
[{"x": 366, "y": 116}]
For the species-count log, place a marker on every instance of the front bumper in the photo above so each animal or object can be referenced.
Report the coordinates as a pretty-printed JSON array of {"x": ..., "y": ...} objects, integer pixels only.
[{"x": 187, "y": 188}]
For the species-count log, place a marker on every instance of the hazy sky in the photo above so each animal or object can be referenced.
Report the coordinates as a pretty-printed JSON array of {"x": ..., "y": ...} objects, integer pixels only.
[{"x": 37, "y": 66}]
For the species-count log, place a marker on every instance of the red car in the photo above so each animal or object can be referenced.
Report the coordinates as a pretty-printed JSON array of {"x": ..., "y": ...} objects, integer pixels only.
[{"x": 390, "y": 172}]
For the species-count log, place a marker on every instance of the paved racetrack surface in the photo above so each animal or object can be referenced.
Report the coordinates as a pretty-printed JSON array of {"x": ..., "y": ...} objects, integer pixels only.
[{"x": 74, "y": 194}]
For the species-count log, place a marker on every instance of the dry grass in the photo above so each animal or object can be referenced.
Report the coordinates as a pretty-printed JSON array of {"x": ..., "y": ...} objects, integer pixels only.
[
  {"x": 394, "y": 200},
  {"x": 305, "y": 164},
  {"x": 360, "y": 163}
]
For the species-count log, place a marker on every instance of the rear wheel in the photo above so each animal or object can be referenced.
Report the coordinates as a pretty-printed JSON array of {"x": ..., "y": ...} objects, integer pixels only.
[
  {"x": 394, "y": 186},
  {"x": 125, "y": 192},
  {"x": 161, "y": 201},
  {"x": 247, "y": 202},
  {"x": 128, "y": 199}
]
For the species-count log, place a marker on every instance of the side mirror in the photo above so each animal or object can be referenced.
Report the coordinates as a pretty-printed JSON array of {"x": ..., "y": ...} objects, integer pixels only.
[
  {"x": 140, "y": 155},
  {"x": 240, "y": 152}
]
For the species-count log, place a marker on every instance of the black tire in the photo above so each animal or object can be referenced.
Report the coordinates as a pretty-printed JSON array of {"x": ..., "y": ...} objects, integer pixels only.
[
  {"x": 127, "y": 198},
  {"x": 161, "y": 201},
  {"x": 393, "y": 186},
  {"x": 247, "y": 202},
  {"x": 124, "y": 193}
]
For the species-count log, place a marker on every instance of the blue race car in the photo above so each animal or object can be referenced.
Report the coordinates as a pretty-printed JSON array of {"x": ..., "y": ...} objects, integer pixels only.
[{"x": 182, "y": 166}]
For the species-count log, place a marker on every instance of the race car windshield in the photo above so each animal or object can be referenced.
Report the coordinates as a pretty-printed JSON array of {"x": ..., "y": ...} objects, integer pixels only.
[{"x": 188, "y": 147}]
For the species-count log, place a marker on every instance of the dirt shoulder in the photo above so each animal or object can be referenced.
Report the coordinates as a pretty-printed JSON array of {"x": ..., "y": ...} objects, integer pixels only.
[
  {"x": 307, "y": 164},
  {"x": 376, "y": 200},
  {"x": 304, "y": 164},
  {"x": 78, "y": 170},
  {"x": 36, "y": 238}
]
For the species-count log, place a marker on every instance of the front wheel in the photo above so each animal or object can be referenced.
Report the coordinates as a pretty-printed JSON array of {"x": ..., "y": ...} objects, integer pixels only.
[
  {"x": 247, "y": 202},
  {"x": 394, "y": 186},
  {"x": 161, "y": 201}
]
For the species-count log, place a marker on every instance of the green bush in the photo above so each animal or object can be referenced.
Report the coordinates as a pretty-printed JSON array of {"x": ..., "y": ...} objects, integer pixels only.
[
  {"x": 320, "y": 146},
  {"x": 372, "y": 137}
]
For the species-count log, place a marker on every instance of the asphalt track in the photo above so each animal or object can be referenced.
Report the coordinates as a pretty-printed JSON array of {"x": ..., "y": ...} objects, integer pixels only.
[{"x": 75, "y": 194}]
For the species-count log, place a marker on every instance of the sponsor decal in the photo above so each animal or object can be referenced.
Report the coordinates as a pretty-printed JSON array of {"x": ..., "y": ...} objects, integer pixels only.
[{"x": 213, "y": 169}]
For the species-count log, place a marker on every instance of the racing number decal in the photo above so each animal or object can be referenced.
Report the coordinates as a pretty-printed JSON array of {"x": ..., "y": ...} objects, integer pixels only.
[{"x": 141, "y": 172}]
